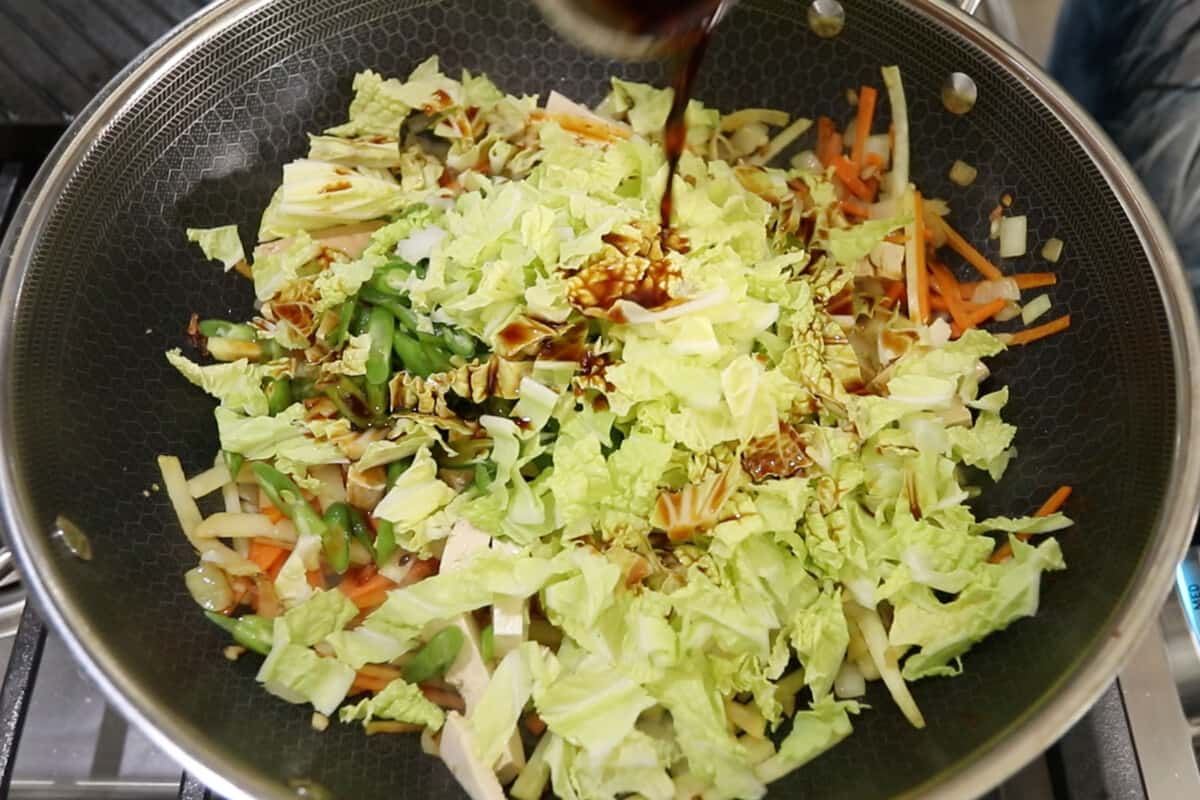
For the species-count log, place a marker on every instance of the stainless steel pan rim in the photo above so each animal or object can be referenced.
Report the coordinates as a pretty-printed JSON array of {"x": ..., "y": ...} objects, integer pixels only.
[{"x": 1036, "y": 731}]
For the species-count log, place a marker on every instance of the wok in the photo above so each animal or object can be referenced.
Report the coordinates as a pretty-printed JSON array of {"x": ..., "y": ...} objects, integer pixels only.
[{"x": 101, "y": 280}]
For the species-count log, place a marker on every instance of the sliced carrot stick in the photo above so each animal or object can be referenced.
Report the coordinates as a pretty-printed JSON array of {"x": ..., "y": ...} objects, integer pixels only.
[
  {"x": 874, "y": 160},
  {"x": 961, "y": 246},
  {"x": 894, "y": 292},
  {"x": 265, "y": 554},
  {"x": 443, "y": 698},
  {"x": 1040, "y": 332},
  {"x": 944, "y": 280},
  {"x": 367, "y": 591},
  {"x": 852, "y": 208},
  {"x": 315, "y": 578},
  {"x": 1052, "y": 504},
  {"x": 825, "y": 134},
  {"x": 1024, "y": 280},
  {"x": 367, "y": 683},
  {"x": 867, "y": 96},
  {"x": 379, "y": 671},
  {"x": 938, "y": 303},
  {"x": 977, "y": 315},
  {"x": 848, "y": 173}
]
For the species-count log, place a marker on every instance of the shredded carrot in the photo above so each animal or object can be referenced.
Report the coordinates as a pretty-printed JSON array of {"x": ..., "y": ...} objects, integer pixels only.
[
  {"x": 825, "y": 133},
  {"x": 265, "y": 554},
  {"x": 921, "y": 272},
  {"x": 852, "y": 208},
  {"x": 1040, "y": 332},
  {"x": 369, "y": 591},
  {"x": 443, "y": 698},
  {"x": 893, "y": 294},
  {"x": 944, "y": 280},
  {"x": 977, "y": 315},
  {"x": 874, "y": 160},
  {"x": 379, "y": 671},
  {"x": 848, "y": 173},
  {"x": 867, "y": 96},
  {"x": 534, "y": 724},
  {"x": 1052, "y": 504},
  {"x": 367, "y": 683},
  {"x": 961, "y": 246},
  {"x": 315, "y": 578},
  {"x": 1025, "y": 280},
  {"x": 938, "y": 303}
]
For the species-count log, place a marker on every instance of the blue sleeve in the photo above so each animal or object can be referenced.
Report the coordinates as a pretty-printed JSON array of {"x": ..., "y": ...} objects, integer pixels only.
[{"x": 1135, "y": 66}]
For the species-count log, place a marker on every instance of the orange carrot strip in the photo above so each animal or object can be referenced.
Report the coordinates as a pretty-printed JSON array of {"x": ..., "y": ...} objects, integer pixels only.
[
  {"x": 1041, "y": 331},
  {"x": 367, "y": 683},
  {"x": 848, "y": 173},
  {"x": 379, "y": 671},
  {"x": 852, "y": 208},
  {"x": 874, "y": 160},
  {"x": 961, "y": 246},
  {"x": 1052, "y": 504},
  {"x": 443, "y": 698},
  {"x": 825, "y": 134},
  {"x": 977, "y": 315},
  {"x": 358, "y": 593},
  {"x": 938, "y": 303},
  {"x": 893, "y": 295},
  {"x": 264, "y": 554},
  {"x": 315, "y": 578},
  {"x": 944, "y": 280},
  {"x": 867, "y": 96}
]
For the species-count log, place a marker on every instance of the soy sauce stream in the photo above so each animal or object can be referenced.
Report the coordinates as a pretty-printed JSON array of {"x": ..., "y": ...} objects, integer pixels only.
[{"x": 686, "y": 65}]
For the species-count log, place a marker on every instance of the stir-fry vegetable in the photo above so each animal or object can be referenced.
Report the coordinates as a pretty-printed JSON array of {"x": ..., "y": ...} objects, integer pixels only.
[{"x": 499, "y": 452}]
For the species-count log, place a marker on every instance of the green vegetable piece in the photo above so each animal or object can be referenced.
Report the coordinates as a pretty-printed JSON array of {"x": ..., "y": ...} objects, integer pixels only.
[
  {"x": 345, "y": 315},
  {"x": 228, "y": 330},
  {"x": 385, "y": 541},
  {"x": 487, "y": 643},
  {"x": 250, "y": 631},
  {"x": 379, "y": 358},
  {"x": 485, "y": 473},
  {"x": 341, "y": 400},
  {"x": 285, "y": 495},
  {"x": 361, "y": 531},
  {"x": 360, "y": 318},
  {"x": 233, "y": 462},
  {"x": 459, "y": 342},
  {"x": 391, "y": 277},
  {"x": 279, "y": 395},
  {"x": 432, "y": 660},
  {"x": 335, "y": 541},
  {"x": 304, "y": 388},
  {"x": 412, "y": 355},
  {"x": 403, "y": 314},
  {"x": 377, "y": 400}
]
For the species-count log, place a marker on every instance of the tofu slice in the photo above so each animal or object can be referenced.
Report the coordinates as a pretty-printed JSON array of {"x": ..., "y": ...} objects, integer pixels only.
[
  {"x": 469, "y": 673},
  {"x": 510, "y": 615},
  {"x": 458, "y": 751}
]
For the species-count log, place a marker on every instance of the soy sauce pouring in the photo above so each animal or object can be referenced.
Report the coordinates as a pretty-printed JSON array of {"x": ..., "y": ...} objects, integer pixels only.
[{"x": 637, "y": 30}]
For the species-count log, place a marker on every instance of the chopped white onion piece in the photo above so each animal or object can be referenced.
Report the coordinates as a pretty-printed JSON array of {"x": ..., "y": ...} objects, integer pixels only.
[
  {"x": 1011, "y": 310},
  {"x": 223, "y": 525},
  {"x": 849, "y": 682},
  {"x": 807, "y": 161},
  {"x": 963, "y": 173},
  {"x": 1052, "y": 250},
  {"x": 1035, "y": 308},
  {"x": 1013, "y": 236},
  {"x": 421, "y": 244},
  {"x": 898, "y": 177},
  {"x": 209, "y": 587},
  {"x": 987, "y": 291}
]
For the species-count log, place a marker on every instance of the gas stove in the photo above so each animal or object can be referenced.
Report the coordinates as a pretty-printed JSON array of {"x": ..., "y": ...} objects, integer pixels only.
[{"x": 59, "y": 738}]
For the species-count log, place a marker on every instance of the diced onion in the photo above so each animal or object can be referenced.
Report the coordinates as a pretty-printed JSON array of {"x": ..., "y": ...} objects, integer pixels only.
[
  {"x": 849, "y": 682},
  {"x": 807, "y": 161},
  {"x": 1035, "y": 308},
  {"x": 209, "y": 587},
  {"x": 1013, "y": 236},
  {"x": 963, "y": 173},
  {"x": 1011, "y": 310},
  {"x": 1052, "y": 250},
  {"x": 1004, "y": 289},
  {"x": 319, "y": 721}
]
